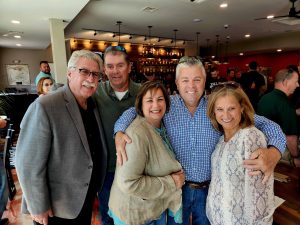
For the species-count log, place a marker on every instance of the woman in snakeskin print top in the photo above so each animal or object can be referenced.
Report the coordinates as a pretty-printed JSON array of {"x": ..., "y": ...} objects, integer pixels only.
[{"x": 235, "y": 197}]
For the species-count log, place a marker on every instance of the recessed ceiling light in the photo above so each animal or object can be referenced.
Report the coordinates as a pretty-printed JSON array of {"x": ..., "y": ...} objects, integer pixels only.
[
  {"x": 270, "y": 16},
  {"x": 18, "y": 45},
  {"x": 197, "y": 20},
  {"x": 224, "y": 5},
  {"x": 279, "y": 50},
  {"x": 149, "y": 9},
  {"x": 241, "y": 53},
  {"x": 15, "y": 21},
  {"x": 247, "y": 35},
  {"x": 17, "y": 36}
]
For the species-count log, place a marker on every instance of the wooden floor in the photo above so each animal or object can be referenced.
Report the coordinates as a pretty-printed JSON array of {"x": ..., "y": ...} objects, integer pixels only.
[{"x": 16, "y": 218}]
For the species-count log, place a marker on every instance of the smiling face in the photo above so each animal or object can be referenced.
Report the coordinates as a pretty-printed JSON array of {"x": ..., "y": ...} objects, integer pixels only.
[
  {"x": 228, "y": 112},
  {"x": 81, "y": 86},
  {"x": 154, "y": 106},
  {"x": 190, "y": 84},
  {"x": 117, "y": 70}
]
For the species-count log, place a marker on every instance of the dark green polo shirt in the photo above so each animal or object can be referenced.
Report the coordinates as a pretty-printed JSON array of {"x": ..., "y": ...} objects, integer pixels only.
[
  {"x": 277, "y": 107},
  {"x": 110, "y": 108}
]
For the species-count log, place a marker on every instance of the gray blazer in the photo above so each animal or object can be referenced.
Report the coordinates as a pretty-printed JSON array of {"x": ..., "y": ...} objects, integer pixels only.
[{"x": 53, "y": 160}]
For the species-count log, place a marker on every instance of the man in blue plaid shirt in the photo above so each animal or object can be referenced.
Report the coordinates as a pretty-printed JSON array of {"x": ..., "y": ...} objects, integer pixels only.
[{"x": 193, "y": 139}]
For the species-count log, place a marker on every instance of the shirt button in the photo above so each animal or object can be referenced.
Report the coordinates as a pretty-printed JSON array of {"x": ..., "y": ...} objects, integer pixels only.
[
  {"x": 86, "y": 184},
  {"x": 90, "y": 167}
]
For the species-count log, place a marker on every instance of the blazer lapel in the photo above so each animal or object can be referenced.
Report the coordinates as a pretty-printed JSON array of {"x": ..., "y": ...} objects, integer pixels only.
[{"x": 74, "y": 111}]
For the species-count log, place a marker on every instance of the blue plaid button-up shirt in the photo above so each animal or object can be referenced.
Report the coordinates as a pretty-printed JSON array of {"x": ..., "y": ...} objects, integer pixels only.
[{"x": 193, "y": 137}]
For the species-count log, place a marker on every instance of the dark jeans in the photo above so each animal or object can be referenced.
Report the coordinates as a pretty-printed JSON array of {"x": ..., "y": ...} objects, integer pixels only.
[
  {"x": 61, "y": 221},
  {"x": 84, "y": 217},
  {"x": 103, "y": 196},
  {"x": 194, "y": 202},
  {"x": 160, "y": 221}
]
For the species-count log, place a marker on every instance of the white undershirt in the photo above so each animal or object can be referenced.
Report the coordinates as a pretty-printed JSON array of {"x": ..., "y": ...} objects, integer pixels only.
[{"x": 121, "y": 94}]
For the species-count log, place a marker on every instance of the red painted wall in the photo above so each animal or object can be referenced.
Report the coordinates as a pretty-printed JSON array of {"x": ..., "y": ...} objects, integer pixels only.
[{"x": 276, "y": 61}]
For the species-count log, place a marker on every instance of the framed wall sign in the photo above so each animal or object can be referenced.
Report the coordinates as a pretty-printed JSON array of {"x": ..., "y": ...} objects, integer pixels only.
[{"x": 18, "y": 74}]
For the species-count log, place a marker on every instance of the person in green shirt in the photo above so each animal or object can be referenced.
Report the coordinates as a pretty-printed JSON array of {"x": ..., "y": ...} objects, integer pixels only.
[
  {"x": 113, "y": 97},
  {"x": 276, "y": 106}
]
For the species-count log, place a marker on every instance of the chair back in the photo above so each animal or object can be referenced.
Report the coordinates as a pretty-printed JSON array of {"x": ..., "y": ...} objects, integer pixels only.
[{"x": 7, "y": 163}]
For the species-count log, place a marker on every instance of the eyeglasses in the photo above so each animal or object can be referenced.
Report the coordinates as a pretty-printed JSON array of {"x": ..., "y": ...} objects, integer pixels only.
[
  {"x": 115, "y": 48},
  {"x": 86, "y": 73},
  {"x": 228, "y": 85}
]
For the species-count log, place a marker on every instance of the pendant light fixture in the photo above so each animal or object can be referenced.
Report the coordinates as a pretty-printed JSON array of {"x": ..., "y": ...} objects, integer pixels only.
[
  {"x": 216, "y": 59},
  {"x": 175, "y": 31},
  {"x": 197, "y": 36},
  {"x": 119, "y": 25}
]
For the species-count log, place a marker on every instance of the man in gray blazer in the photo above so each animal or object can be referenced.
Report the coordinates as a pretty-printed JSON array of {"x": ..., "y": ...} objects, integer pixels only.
[{"x": 61, "y": 155}]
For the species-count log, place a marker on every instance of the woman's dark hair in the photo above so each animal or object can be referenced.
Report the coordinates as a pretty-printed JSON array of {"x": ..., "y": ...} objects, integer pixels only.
[{"x": 150, "y": 85}]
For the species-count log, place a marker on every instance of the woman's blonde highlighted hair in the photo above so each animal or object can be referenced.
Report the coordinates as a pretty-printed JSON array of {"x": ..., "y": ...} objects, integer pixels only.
[{"x": 247, "y": 117}]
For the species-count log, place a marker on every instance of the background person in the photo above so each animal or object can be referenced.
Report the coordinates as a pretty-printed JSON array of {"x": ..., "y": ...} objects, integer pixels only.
[
  {"x": 231, "y": 74},
  {"x": 113, "y": 97},
  {"x": 45, "y": 71},
  {"x": 150, "y": 182},
  {"x": 44, "y": 85},
  {"x": 253, "y": 83},
  {"x": 213, "y": 79},
  {"x": 193, "y": 139},
  {"x": 61, "y": 151},
  {"x": 234, "y": 197},
  {"x": 276, "y": 106}
]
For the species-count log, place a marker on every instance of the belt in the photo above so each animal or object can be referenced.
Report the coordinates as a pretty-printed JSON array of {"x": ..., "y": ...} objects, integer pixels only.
[{"x": 197, "y": 185}]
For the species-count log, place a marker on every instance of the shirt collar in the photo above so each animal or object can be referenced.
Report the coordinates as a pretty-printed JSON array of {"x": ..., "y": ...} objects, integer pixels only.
[
  {"x": 203, "y": 100},
  {"x": 112, "y": 92},
  {"x": 280, "y": 92}
]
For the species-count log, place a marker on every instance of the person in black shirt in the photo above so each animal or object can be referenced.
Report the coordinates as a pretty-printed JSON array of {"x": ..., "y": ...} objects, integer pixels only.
[{"x": 253, "y": 84}]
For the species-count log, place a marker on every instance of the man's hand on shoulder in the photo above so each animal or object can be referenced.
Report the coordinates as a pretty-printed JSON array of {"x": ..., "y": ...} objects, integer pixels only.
[
  {"x": 121, "y": 140},
  {"x": 263, "y": 161}
]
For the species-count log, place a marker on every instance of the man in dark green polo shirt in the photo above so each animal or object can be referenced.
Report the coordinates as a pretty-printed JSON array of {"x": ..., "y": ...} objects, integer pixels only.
[
  {"x": 113, "y": 97},
  {"x": 277, "y": 107}
]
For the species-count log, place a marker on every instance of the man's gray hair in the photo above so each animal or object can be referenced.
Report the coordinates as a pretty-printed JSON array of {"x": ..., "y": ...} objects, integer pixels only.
[
  {"x": 188, "y": 61},
  {"x": 76, "y": 55},
  {"x": 284, "y": 74}
]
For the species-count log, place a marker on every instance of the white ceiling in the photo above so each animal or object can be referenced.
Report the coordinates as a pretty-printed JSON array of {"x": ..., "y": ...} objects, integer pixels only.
[
  {"x": 34, "y": 18},
  {"x": 170, "y": 15}
]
